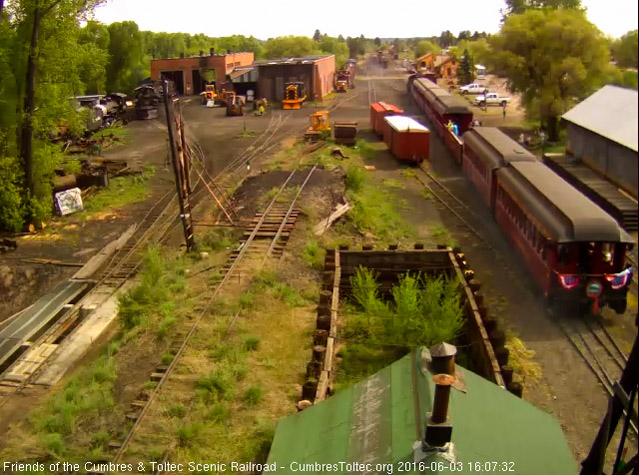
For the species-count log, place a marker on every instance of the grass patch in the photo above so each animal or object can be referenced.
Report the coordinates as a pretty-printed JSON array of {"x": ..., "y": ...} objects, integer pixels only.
[
  {"x": 374, "y": 212},
  {"x": 392, "y": 183},
  {"x": 355, "y": 178},
  {"x": 153, "y": 300},
  {"x": 366, "y": 150},
  {"x": 268, "y": 282},
  {"x": 188, "y": 434},
  {"x": 253, "y": 395},
  {"x": 521, "y": 359},
  {"x": 218, "y": 239},
  {"x": 177, "y": 410},
  {"x": 252, "y": 343},
  {"x": 121, "y": 191},
  {"x": 246, "y": 134},
  {"x": 314, "y": 255},
  {"x": 440, "y": 234}
]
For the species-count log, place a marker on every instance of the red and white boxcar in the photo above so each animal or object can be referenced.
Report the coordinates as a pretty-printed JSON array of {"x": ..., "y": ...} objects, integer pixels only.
[
  {"x": 407, "y": 139},
  {"x": 379, "y": 110},
  {"x": 487, "y": 149}
]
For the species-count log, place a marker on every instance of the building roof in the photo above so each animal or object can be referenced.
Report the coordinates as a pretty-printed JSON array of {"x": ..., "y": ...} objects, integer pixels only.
[
  {"x": 566, "y": 214},
  {"x": 610, "y": 112},
  {"x": 380, "y": 419},
  {"x": 496, "y": 147},
  {"x": 284, "y": 61},
  {"x": 402, "y": 123},
  {"x": 442, "y": 59}
]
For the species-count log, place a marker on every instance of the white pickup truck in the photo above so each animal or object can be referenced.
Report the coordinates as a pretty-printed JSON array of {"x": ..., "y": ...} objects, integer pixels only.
[
  {"x": 491, "y": 99},
  {"x": 472, "y": 89}
]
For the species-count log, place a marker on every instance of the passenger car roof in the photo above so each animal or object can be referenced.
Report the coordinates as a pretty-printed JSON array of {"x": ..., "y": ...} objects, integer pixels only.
[{"x": 567, "y": 214}]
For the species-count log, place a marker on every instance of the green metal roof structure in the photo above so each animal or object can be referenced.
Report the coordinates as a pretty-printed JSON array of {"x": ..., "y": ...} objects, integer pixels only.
[{"x": 380, "y": 420}]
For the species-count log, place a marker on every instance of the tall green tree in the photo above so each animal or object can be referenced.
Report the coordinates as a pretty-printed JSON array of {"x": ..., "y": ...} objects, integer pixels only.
[
  {"x": 317, "y": 36},
  {"x": 516, "y": 7},
  {"x": 377, "y": 41},
  {"x": 446, "y": 39},
  {"x": 425, "y": 47},
  {"x": 32, "y": 18},
  {"x": 551, "y": 75},
  {"x": 334, "y": 46},
  {"x": 126, "y": 54},
  {"x": 290, "y": 46},
  {"x": 625, "y": 50},
  {"x": 466, "y": 68}
]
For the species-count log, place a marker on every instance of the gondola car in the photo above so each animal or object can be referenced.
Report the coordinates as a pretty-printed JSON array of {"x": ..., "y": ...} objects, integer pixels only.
[
  {"x": 574, "y": 250},
  {"x": 485, "y": 150}
]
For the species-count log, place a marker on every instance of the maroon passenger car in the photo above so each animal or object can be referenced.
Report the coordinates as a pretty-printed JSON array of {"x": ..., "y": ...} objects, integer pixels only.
[
  {"x": 487, "y": 149},
  {"x": 574, "y": 249}
]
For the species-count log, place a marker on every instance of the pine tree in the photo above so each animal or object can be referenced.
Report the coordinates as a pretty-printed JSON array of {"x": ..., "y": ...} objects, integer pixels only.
[
  {"x": 317, "y": 36},
  {"x": 466, "y": 75}
]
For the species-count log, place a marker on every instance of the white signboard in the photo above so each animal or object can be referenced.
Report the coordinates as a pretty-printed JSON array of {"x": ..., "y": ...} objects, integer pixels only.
[{"x": 69, "y": 201}]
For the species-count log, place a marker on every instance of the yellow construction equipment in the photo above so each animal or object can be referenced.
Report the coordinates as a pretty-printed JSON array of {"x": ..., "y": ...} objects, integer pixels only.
[
  {"x": 294, "y": 95},
  {"x": 235, "y": 105},
  {"x": 320, "y": 125},
  {"x": 341, "y": 86}
]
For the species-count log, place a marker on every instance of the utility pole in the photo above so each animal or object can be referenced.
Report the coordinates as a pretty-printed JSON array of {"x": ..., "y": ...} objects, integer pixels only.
[{"x": 181, "y": 167}]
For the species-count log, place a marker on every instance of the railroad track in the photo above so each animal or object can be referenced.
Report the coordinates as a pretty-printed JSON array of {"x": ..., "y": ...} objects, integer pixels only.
[
  {"x": 451, "y": 202},
  {"x": 265, "y": 237},
  {"x": 597, "y": 348},
  {"x": 112, "y": 275}
]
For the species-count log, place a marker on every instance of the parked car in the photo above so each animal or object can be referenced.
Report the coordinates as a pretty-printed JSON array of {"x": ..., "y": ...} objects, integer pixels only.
[
  {"x": 491, "y": 99},
  {"x": 472, "y": 89}
]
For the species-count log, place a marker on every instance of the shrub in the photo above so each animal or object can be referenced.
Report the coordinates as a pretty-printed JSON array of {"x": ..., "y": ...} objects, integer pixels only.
[
  {"x": 253, "y": 395},
  {"x": 188, "y": 433},
  {"x": 252, "y": 343},
  {"x": 355, "y": 178},
  {"x": 218, "y": 383},
  {"x": 219, "y": 413},
  {"x": 177, "y": 410},
  {"x": 54, "y": 443},
  {"x": 314, "y": 255}
]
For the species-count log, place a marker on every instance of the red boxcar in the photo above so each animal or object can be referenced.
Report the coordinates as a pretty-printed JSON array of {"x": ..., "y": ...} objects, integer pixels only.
[
  {"x": 487, "y": 149},
  {"x": 574, "y": 249},
  {"x": 379, "y": 110},
  {"x": 407, "y": 139}
]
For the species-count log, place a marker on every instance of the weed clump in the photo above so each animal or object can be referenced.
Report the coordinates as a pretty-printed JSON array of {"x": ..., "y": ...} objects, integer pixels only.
[
  {"x": 355, "y": 178},
  {"x": 314, "y": 255},
  {"x": 252, "y": 343},
  {"x": 253, "y": 395}
]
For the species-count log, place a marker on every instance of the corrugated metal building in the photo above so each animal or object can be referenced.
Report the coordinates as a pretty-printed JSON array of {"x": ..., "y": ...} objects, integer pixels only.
[
  {"x": 191, "y": 74},
  {"x": 316, "y": 72},
  {"x": 602, "y": 132},
  {"x": 381, "y": 422}
]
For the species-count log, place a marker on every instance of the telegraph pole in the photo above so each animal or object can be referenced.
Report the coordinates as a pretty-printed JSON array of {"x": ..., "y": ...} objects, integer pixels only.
[{"x": 180, "y": 166}]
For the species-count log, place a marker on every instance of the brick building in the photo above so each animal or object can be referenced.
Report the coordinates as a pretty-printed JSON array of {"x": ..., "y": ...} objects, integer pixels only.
[
  {"x": 316, "y": 72},
  {"x": 191, "y": 74}
]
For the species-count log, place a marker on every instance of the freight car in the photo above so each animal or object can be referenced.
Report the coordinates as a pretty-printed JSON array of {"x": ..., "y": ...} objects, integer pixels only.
[
  {"x": 442, "y": 109},
  {"x": 574, "y": 250}
]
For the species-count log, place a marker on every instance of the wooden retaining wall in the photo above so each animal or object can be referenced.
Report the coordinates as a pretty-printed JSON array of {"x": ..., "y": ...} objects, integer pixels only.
[{"x": 486, "y": 341}]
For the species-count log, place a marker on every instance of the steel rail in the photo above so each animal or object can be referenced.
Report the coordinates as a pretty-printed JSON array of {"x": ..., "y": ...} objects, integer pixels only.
[{"x": 122, "y": 449}]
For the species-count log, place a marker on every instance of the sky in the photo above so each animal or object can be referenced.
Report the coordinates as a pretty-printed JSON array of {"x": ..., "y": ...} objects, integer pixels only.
[{"x": 392, "y": 19}]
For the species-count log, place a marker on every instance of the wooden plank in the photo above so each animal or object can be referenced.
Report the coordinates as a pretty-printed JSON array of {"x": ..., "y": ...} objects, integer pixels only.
[
  {"x": 96, "y": 261},
  {"x": 326, "y": 223},
  {"x": 322, "y": 387}
]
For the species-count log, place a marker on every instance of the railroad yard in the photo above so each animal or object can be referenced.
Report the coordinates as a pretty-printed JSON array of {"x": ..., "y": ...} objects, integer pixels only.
[{"x": 197, "y": 355}]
